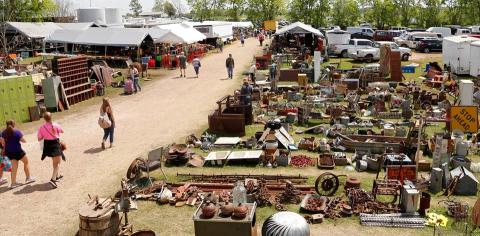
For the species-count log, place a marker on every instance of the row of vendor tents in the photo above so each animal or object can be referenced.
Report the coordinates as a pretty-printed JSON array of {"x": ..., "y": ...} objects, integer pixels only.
[
  {"x": 89, "y": 34},
  {"x": 462, "y": 54}
]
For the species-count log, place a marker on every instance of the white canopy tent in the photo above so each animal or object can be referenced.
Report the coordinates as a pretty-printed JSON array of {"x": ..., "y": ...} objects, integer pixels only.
[
  {"x": 299, "y": 28},
  {"x": 178, "y": 33},
  {"x": 119, "y": 37},
  {"x": 34, "y": 30},
  {"x": 235, "y": 24}
]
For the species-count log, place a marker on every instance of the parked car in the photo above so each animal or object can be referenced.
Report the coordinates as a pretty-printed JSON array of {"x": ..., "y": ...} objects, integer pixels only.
[
  {"x": 360, "y": 32},
  {"x": 386, "y": 35},
  {"x": 342, "y": 49},
  {"x": 373, "y": 53},
  {"x": 428, "y": 45},
  {"x": 409, "y": 40}
]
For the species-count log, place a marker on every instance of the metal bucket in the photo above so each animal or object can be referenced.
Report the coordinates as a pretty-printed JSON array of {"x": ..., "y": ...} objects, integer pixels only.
[{"x": 361, "y": 165}]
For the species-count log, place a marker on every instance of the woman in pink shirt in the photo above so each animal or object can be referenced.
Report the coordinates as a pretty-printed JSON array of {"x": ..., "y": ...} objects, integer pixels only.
[{"x": 50, "y": 134}]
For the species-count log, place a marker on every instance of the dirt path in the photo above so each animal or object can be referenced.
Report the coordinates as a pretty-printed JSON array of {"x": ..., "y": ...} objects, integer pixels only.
[{"x": 164, "y": 111}]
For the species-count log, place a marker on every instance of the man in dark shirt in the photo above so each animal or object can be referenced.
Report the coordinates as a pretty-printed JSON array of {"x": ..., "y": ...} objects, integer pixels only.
[
  {"x": 246, "y": 93},
  {"x": 230, "y": 64},
  {"x": 183, "y": 64}
]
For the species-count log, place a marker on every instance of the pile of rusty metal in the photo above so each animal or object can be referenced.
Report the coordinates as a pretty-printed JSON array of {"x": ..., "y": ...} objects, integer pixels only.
[
  {"x": 177, "y": 154},
  {"x": 302, "y": 161}
]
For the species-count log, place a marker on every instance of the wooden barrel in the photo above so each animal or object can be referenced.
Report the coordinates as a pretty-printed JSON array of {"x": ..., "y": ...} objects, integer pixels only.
[{"x": 100, "y": 222}]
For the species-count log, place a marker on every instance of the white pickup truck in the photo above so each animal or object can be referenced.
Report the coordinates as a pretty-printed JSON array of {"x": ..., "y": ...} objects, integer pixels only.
[
  {"x": 354, "y": 44},
  {"x": 373, "y": 53}
]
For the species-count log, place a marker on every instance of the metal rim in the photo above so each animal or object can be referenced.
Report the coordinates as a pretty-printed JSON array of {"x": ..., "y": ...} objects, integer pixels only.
[{"x": 327, "y": 184}]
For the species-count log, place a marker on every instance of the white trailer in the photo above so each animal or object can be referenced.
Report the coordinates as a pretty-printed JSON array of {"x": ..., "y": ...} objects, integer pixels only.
[
  {"x": 336, "y": 37},
  {"x": 456, "y": 53},
  {"x": 211, "y": 30},
  {"x": 475, "y": 59}
]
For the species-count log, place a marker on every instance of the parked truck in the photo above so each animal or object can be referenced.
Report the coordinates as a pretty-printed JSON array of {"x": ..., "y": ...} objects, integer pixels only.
[
  {"x": 353, "y": 44},
  {"x": 373, "y": 53}
]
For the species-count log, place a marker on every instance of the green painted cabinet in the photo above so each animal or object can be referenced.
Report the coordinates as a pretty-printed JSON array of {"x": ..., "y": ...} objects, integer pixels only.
[{"x": 16, "y": 96}]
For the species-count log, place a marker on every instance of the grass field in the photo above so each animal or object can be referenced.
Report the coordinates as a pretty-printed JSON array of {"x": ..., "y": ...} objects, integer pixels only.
[{"x": 172, "y": 220}]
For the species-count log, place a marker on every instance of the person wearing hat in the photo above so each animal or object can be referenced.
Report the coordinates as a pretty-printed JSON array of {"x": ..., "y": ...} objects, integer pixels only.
[{"x": 246, "y": 92}]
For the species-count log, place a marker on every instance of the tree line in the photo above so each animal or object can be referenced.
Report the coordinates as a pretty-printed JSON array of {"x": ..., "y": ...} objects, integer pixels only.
[{"x": 381, "y": 13}]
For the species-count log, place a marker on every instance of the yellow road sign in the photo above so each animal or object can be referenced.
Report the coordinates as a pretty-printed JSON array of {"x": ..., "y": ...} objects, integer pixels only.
[{"x": 464, "y": 118}]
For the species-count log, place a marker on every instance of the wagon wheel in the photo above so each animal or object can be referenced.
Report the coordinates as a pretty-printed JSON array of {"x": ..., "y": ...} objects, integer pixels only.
[
  {"x": 133, "y": 172},
  {"x": 327, "y": 184}
]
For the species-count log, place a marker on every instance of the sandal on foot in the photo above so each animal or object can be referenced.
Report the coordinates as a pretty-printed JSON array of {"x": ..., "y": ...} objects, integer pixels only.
[
  {"x": 53, "y": 183},
  {"x": 30, "y": 180},
  {"x": 59, "y": 178},
  {"x": 15, "y": 185}
]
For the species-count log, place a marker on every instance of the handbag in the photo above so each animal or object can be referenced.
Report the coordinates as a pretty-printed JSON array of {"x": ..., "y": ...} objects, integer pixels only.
[
  {"x": 63, "y": 145},
  {"x": 104, "y": 121}
]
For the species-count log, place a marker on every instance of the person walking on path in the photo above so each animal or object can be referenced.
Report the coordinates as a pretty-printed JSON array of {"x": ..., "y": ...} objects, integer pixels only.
[
  {"x": 220, "y": 44},
  {"x": 49, "y": 133},
  {"x": 182, "y": 59},
  {"x": 196, "y": 65},
  {"x": 253, "y": 72},
  {"x": 242, "y": 39},
  {"x": 134, "y": 74},
  {"x": 261, "y": 38},
  {"x": 106, "y": 113},
  {"x": 12, "y": 140},
  {"x": 230, "y": 64}
]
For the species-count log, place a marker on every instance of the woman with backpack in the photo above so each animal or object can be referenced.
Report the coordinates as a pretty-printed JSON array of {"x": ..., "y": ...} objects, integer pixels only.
[
  {"x": 49, "y": 133},
  {"x": 12, "y": 140},
  {"x": 107, "y": 122}
]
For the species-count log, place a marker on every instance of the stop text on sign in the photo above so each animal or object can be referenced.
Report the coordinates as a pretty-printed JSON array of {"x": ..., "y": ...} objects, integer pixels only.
[{"x": 464, "y": 118}]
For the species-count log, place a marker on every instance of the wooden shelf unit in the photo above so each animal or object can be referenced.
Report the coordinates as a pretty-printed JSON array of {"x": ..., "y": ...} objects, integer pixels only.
[{"x": 73, "y": 72}]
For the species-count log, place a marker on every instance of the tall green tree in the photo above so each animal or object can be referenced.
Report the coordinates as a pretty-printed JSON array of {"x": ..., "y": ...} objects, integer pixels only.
[
  {"x": 382, "y": 13},
  {"x": 169, "y": 9},
  {"x": 158, "y": 6},
  {"x": 314, "y": 12},
  {"x": 429, "y": 14},
  {"x": 261, "y": 10},
  {"x": 135, "y": 7},
  {"x": 406, "y": 10},
  {"x": 207, "y": 9},
  {"x": 345, "y": 13},
  {"x": 235, "y": 9}
]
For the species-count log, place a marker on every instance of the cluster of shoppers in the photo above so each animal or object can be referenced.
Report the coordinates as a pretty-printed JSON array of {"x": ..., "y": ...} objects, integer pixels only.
[{"x": 12, "y": 154}]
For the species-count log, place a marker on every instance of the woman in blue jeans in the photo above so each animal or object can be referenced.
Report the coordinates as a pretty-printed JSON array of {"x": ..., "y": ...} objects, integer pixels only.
[{"x": 106, "y": 109}]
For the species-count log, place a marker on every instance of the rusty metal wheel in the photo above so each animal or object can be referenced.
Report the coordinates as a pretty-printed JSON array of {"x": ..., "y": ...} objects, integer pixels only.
[
  {"x": 133, "y": 171},
  {"x": 327, "y": 184}
]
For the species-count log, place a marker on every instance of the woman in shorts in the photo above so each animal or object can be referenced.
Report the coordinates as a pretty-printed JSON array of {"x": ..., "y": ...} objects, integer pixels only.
[{"x": 12, "y": 139}]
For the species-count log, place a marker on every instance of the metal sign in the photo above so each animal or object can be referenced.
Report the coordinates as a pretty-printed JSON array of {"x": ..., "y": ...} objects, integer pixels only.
[{"x": 464, "y": 118}]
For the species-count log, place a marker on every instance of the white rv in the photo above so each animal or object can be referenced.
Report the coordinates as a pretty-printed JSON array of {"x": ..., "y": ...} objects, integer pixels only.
[
  {"x": 475, "y": 59},
  {"x": 456, "y": 53}
]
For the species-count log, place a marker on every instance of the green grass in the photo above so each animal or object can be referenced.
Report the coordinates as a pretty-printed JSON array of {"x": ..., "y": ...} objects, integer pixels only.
[{"x": 178, "y": 221}]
